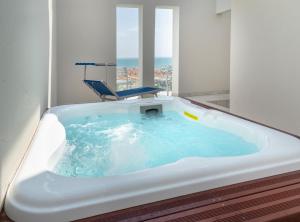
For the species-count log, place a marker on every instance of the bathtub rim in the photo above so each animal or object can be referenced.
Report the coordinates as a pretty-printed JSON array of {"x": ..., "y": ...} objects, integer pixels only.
[{"x": 12, "y": 202}]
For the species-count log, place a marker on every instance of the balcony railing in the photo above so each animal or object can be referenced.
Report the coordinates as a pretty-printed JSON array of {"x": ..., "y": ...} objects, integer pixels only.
[{"x": 128, "y": 78}]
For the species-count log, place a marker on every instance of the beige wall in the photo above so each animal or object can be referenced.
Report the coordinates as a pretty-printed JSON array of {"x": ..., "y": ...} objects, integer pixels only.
[
  {"x": 223, "y": 6},
  {"x": 204, "y": 54},
  {"x": 265, "y": 67},
  {"x": 53, "y": 55},
  {"x": 86, "y": 32},
  {"x": 24, "y": 52}
]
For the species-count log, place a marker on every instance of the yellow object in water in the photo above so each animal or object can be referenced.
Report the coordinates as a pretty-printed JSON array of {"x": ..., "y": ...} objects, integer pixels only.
[{"x": 191, "y": 116}]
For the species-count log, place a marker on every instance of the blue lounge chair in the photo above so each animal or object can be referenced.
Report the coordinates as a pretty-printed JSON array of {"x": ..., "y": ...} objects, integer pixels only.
[{"x": 102, "y": 90}]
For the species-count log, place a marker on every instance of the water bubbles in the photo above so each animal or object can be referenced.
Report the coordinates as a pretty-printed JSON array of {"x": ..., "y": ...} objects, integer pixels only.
[{"x": 116, "y": 144}]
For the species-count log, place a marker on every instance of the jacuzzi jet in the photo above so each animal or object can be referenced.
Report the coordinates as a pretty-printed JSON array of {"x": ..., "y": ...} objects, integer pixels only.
[{"x": 151, "y": 109}]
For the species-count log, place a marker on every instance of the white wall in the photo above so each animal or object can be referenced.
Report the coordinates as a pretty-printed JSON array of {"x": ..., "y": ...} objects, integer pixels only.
[
  {"x": 24, "y": 52},
  {"x": 86, "y": 32},
  {"x": 265, "y": 67},
  {"x": 223, "y": 6},
  {"x": 204, "y": 61},
  {"x": 53, "y": 55}
]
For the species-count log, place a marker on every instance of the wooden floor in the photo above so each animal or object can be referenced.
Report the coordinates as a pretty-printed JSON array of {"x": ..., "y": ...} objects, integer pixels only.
[
  {"x": 270, "y": 199},
  {"x": 274, "y": 199},
  {"x": 3, "y": 217}
]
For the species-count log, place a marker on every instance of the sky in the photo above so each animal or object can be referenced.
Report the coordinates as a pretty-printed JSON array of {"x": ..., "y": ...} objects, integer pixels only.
[{"x": 128, "y": 33}]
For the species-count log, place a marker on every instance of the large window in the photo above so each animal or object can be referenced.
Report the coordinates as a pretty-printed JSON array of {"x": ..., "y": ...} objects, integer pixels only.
[
  {"x": 163, "y": 49},
  {"x": 128, "y": 47}
]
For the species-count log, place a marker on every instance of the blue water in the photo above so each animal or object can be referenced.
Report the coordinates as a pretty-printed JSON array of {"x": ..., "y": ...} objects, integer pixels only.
[
  {"x": 116, "y": 144},
  {"x": 134, "y": 62}
]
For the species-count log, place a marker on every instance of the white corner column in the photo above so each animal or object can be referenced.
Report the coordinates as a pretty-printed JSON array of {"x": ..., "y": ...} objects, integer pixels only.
[
  {"x": 147, "y": 43},
  {"x": 175, "y": 62}
]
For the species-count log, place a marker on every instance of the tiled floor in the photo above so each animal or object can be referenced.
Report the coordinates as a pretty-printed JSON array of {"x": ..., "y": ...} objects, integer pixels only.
[{"x": 219, "y": 101}]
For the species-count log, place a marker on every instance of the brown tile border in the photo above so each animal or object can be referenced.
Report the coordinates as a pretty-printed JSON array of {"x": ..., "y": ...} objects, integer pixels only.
[{"x": 4, "y": 217}]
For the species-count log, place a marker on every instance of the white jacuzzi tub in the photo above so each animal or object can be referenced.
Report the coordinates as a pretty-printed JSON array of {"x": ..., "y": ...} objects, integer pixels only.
[{"x": 38, "y": 194}]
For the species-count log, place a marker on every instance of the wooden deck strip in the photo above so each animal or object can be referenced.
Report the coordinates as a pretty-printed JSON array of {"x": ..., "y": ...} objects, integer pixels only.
[
  {"x": 213, "y": 205},
  {"x": 275, "y": 199},
  {"x": 201, "y": 199},
  {"x": 236, "y": 207},
  {"x": 4, "y": 217}
]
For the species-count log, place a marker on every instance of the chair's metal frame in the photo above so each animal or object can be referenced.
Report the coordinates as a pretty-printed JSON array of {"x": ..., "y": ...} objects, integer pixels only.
[{"x": 104, "y": 98}]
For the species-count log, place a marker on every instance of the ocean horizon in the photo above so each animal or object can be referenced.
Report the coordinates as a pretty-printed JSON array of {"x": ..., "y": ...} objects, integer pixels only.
[{"x": 134, "y": 62}]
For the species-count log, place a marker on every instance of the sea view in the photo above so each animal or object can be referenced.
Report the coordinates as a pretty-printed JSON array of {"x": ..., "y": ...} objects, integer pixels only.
[
  {"x": 133, "y": 62},
  {"x": 129, "y": 78}
]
